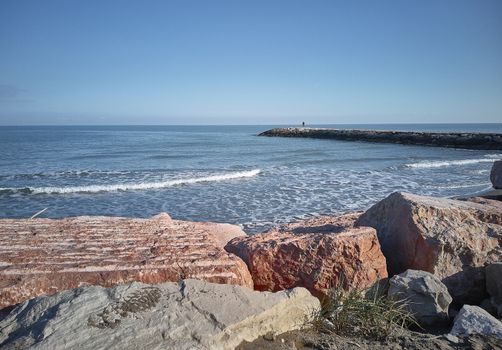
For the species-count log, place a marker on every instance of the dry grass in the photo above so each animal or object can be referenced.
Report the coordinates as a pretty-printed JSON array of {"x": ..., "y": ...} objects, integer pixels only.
[{"x": 353, "y": 312}]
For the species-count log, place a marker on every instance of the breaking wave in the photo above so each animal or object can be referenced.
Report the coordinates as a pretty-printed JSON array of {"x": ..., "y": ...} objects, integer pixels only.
[
  {"x": 440, "y": 164},
  {"x": 134, "y": 186}
]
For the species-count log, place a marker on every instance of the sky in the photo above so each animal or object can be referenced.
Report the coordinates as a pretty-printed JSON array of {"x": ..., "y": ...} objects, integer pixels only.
[{"x": 250, "y": 62}]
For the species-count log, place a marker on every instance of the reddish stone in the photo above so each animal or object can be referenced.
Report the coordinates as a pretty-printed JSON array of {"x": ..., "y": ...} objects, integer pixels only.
[
  {"x": 317, "y": 254},
  {"x": 452, "y": 239},
  {"x": 44, "y": 256}
]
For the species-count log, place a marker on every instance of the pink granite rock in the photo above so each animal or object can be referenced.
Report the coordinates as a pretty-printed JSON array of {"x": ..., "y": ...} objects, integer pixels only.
[
  {"x": 452, "y": 239},
  {"x": 317, "y": 254},
  {"x": 44, "y": 256}
]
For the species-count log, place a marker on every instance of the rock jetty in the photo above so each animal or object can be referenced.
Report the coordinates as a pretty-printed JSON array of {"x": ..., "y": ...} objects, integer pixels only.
[
  {"x": 484, "y": 141},
  {"x": 45, "y": 256}
]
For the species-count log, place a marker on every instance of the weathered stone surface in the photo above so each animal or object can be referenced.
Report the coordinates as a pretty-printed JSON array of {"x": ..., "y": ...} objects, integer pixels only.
[
  {"x": 474, "y": 320},
  {"x": 191, "y": 314},
  {"x": 317, "y": 254},
  {"x": 452, "y": 239},
  {"x": 424, "y": 295},
  {"x": 44, "y": 256},
  {"x": 496, "y": 174},
  {"x": 440, "y": 139}
]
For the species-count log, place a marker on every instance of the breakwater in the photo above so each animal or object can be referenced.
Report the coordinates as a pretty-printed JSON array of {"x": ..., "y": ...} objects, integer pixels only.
[{"x": 482, "y": 141}]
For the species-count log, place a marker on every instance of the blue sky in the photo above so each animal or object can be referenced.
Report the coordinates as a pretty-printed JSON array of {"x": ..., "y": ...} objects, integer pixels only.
[{"x": 250, "y": 62}]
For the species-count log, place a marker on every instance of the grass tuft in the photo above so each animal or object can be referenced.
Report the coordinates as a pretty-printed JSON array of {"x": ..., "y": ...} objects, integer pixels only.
[{"x": 370, "y": 315}]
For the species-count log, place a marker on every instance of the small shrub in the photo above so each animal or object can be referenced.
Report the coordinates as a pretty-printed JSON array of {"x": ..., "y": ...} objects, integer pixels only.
[{"x": 351, "y": 312}]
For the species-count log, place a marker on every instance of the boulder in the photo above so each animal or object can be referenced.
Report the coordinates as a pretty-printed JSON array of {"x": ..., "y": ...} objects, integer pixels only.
[
  {"x": 317, "y": 254},
  {"x": 191, "y": 314},
  {"x": 494, "y": 279},
  {"x": 494, "y": 288},
  {"x": 496, "y": 174},
  {"x": 452, "y": 239},
  {"x": 45, "y": 256},
  {"x": 423, "y": 294},
  {"x": 474, "y": 320},
  {"x": 489, "y": 306}
]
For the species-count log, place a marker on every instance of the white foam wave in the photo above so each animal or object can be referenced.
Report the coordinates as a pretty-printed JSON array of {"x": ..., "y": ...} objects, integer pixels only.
[
  {"x": 455, "y": 186},
  {"x": 440, "y": 164},
  {"x": 145, "y": 185}
]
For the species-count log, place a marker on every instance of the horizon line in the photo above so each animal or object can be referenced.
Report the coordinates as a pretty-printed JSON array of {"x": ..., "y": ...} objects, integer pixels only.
[{"x": 271, "y": 124}]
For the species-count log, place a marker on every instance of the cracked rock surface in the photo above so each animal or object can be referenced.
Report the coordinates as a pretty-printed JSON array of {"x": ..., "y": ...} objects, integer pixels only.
[
  {"x": 46, "y": 256},
  {"x": 453, "y": 239},
  {"x": 191, "y": 314},
  {"x": 318, "y": 254}
]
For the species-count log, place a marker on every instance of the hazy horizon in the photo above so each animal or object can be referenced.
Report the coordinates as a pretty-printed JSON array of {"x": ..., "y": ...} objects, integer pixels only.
[
  {"x": 259, "y": 63},
  {"x": 256, "y": 125}
]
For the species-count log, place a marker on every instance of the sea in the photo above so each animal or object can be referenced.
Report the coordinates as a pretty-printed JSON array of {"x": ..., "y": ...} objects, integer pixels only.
[{"x": 223, "y": 173}]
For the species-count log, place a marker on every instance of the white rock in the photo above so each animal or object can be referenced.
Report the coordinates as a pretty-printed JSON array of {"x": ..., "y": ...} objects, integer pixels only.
[
  {"x": 191, "y": 314},
  {"x": 452, "y": 338},
  {"x": 474, "y": 320}
]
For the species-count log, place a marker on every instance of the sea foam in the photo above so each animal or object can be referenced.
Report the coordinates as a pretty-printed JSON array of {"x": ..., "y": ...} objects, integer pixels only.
[
  {"x": 136, "y": 186},
  {"x": 440, "y": 164}
]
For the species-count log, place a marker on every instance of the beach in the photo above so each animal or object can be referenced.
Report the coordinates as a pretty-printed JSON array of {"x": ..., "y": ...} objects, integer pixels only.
[{"x": 412, "y": 269}]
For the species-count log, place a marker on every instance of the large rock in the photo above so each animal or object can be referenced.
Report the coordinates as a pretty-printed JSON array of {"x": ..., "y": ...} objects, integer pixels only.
[
  {"x": 452, "y": 239},
  {"x": 494, "y": 288},
  {"x": 44, "y": 256},
  {"x": 474, "y": 320},
  {"x": 187, "y": 315},
  {"x": 317, "y": 254},
  {"x": 423, "y": 294},
  {"x": 496, "y": 174},
  {"x": 494, "y": 279}
]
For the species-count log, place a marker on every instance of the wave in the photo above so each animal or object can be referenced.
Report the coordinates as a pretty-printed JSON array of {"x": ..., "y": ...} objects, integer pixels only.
[
  {"x": 66, "y": 173},
  {"x": 486, "y": 185},
  {"x": 440, "y": 164},
  {"x": 133, "y": 186}
]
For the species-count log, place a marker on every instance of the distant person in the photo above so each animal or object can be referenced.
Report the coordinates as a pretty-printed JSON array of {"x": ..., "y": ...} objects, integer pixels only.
[{"x": 303, "y": 123}]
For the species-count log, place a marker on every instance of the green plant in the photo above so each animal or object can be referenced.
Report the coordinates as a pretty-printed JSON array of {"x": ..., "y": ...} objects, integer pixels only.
[{"x": 353, "y": 312}]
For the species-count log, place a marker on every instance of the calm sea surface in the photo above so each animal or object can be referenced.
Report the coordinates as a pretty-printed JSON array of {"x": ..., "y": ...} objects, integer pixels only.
[{"x": 222, "y": 173}]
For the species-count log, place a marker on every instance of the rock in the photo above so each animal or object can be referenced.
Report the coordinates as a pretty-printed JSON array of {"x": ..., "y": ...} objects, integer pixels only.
[
  {"x": 452, "y": 239},
  {"x": 44, "y": 256},
  {"x": 439, "y": 139},
  {"x": 494, "y": 279},
  {"x": 488, "y": 306},
  {"x": 494, "y": 288},
  {"x": 452, "y": 338},
  {"x": 190, "y": 314},
  {"x": 496, "y": 174},
  {"x": 474, "y": 320},
  {"x": 317, "y": 254},
  {"x": 424, "y": 296}
]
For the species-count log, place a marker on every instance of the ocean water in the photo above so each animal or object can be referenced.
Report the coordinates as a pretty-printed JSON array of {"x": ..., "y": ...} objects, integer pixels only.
[{"x": 222, "y": 173}]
